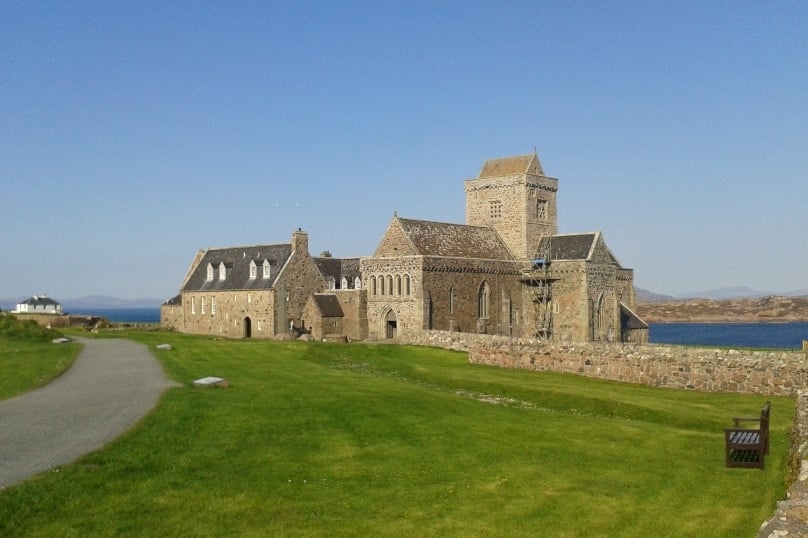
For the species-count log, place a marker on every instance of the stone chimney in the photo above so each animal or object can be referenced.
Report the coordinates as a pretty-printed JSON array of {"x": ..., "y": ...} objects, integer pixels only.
[{"x": 300, "y": 241}]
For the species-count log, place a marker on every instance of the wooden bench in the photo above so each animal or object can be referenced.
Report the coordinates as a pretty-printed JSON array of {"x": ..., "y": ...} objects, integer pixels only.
[{"x": 747, "y": 447}]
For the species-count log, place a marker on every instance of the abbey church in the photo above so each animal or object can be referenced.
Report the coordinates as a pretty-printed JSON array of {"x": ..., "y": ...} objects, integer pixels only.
[{"x": 506, "y": 271}]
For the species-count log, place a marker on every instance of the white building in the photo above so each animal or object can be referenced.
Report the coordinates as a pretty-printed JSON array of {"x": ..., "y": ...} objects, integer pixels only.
[{"x": 39, "y": 304}]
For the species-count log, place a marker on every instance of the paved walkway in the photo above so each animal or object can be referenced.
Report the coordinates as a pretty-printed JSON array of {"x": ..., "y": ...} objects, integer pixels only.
[{"x": 112, "y": 384}]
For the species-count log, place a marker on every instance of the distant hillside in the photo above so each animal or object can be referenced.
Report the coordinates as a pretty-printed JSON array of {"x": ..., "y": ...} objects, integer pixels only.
[
  {"x": 726, "y": 292},
  {"x": 649, "y": 296},
  {"x": 89, "y": 302},
  {"x": 773, "y": 308},
  {"x": 103, "y": 301}
]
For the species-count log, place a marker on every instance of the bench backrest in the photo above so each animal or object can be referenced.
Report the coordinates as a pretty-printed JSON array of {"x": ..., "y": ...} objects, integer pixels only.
[{"x": 764, "y": 417}]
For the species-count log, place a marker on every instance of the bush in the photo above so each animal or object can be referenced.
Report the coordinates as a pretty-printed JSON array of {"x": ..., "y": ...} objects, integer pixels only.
[{"x": 11, "y": 327}]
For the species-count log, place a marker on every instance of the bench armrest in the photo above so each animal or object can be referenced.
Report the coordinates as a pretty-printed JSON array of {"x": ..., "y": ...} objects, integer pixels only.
[{"x": 737, "y": 420}]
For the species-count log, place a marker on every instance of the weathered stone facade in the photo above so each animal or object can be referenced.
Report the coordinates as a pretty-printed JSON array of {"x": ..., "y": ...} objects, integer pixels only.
[
  {"x": 505, "y": 272},
  {"x": 513, "y": 196},
  {"x": 257, "y": 291}
]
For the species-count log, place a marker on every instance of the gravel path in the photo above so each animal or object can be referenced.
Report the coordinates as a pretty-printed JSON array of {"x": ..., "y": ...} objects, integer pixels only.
[{"x": 112, "y": 384}]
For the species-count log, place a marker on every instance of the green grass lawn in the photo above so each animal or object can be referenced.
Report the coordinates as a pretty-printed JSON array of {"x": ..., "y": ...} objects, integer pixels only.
[
  {"x": 377, "y": 440},
  {"x": 27, "y": 364}
]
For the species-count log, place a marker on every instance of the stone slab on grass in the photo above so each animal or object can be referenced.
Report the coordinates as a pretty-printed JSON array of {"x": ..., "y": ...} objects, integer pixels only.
[
  {"x": 164, "y": 347},
  {"x": 211, "y": 382}
]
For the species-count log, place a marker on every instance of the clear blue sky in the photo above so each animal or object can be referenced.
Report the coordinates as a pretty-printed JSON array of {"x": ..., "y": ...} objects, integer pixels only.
[{"x": 134, "y": 134}]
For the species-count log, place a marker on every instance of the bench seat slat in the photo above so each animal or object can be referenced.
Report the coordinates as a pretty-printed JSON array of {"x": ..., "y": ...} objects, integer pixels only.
[{"x": 746, "y": 447}]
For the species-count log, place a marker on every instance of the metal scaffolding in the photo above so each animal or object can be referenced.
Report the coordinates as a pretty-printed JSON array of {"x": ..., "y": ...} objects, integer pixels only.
[{"x": 539, "y": 282}]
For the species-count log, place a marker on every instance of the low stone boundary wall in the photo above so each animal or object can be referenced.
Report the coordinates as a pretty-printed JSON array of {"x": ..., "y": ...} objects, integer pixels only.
[
  {"x": 694, "y": 368},
  {"x": 791, "y": 516}
]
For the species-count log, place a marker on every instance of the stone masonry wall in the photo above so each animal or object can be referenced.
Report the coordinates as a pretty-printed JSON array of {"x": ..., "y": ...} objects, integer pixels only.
[
  {"x": 791, "y": 516},
  {"x": 703, "y": 369},
  {"x": 518, "y": 222}
]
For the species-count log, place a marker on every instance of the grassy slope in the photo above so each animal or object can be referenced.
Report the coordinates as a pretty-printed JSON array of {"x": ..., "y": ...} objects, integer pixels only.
[
  {"x": 27, "y": 364},
  {"x": 355, "y": 440}
]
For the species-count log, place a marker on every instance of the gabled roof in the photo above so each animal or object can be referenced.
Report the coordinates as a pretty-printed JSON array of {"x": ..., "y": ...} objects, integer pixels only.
[
  {"x": 629, "y": 319},
  {"x": 328, "y": 305},
  {"x": 337, "y": 268},
  {"x": 509, "y": 166},
  {"x": 237, "y": 262},
  {"x": 40, "y": 300},
  {"x": 568, "y": 246},
  {"x": 454, "y": 240},
  {"x": 174, "y": 301}
]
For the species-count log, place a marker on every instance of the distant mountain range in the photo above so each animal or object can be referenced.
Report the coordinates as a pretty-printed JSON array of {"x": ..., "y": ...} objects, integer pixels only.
[
  {"x": 105, "y": 301},
  {"x": 90, "y": 302},
  {"x": 726, "y": 292}
]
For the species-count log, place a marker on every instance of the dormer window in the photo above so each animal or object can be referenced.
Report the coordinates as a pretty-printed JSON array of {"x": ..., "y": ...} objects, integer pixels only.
[
  {"x": 210, "y": 272},
  {"x": 330, "y": 282},
  {"x": 253, "y": 270},
  {"x": 266, "y": 269},
  {"x": 222, "y": 271},
  {"x": 344, "y": 283}
]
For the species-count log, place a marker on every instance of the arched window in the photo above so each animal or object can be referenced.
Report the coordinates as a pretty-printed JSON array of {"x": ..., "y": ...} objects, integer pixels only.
[
  {"x": 483, "y": 296},
  {"x": 601, "y": 317},
  {"x": 381, "y": 285},
  {"x": 406, "y": 284},
  {"x": 390, "y": 284},
  {"x": 398, "y": 284},
  {"x": 373, "y": 285}
]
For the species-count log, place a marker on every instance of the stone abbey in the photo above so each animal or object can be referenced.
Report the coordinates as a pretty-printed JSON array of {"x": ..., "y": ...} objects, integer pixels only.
[{"x": 506, "y": 271}]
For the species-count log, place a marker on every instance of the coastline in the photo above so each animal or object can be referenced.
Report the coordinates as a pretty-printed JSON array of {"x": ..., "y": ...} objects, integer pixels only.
[{"x": 773, "y": 309}]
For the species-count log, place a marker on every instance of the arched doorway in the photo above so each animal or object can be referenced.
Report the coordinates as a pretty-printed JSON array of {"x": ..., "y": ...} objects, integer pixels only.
[
  {"x": 247, "y": 327},
  {"x": 390, "y": 325}
]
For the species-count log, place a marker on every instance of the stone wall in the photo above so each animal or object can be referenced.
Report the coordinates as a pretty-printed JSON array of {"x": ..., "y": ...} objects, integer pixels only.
[
  {"x": 703, "y": 369},
  {"x": 46, "y": 320},
  {"x": 791, "y": 516},
  {"x": 518, "y": 220}
]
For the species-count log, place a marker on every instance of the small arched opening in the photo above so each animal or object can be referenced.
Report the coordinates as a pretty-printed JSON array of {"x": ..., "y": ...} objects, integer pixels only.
[
  {"x": 247, "y": 328},
  {"x": 390, "y": 325}
]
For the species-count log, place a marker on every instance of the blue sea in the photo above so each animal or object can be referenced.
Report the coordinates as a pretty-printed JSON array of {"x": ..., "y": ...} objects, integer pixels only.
[
  {"x": 763, "y": 335},
  {"x": 121, "y": 315}
]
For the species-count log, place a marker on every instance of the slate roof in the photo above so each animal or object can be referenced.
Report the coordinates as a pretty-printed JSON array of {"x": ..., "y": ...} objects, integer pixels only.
[
  {"x": 40, "y": 300},
  {"x": 338, "y": 268},
  {"x": 454, "y": 240},
  {"x": 328, "y": 305},
  {"x": 174, "y": 301},
  {"x": 237, "y": 263},
  {"x": 568, "y": 247},
  {"x": 509, "y": 166},
  {"x": 630, "y": 320}
]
